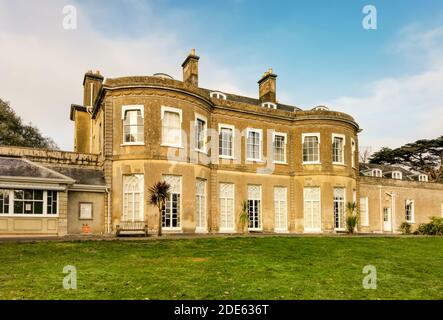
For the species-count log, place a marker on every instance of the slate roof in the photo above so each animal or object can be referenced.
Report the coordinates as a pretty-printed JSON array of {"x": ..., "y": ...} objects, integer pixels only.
[
  {"x": 81, "y": 175},
  {"x": 252, "y": 101},
  {"x": 18, "y": 167},
  {"x": 388, "y": 169}
]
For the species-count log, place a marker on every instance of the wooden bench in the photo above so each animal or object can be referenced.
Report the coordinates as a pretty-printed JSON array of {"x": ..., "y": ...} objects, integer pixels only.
[{"x": 132, "y": 226}]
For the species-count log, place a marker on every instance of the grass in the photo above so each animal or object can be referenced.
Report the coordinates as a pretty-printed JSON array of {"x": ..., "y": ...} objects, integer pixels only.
[{"x": 225, "y": 268}]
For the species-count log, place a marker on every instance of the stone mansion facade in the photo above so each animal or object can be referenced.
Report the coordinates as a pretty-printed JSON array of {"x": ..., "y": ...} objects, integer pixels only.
[{"x": 296, "y": 169}]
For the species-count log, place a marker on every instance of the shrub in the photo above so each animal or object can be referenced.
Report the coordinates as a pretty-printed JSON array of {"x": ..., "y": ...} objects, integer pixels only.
[
  {"x": 351, "y": 217},
  {"x": 434, "y": 227},
  {"x": 405, "y": 228}
]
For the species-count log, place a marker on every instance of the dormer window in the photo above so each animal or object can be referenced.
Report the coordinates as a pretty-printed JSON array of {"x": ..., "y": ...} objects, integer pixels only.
[
  {"x": 377, "y": 173},
  {"x": 397, "y": 175},
  {"x": 321, "y": 108},
  {"x": 269, "y": 105},
  {"x": 423, "y": 178},
  {"x": 218, "y": 95}
]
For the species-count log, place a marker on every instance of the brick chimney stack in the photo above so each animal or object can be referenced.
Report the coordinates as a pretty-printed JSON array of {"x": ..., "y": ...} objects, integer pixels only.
[
  {"x": 92, "y": 83},
  {"x": 190, "y": 69},
  {"x": 267, "y": 87}
]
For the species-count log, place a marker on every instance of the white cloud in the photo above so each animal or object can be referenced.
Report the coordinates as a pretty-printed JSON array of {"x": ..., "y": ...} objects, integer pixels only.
[
  {"x": 42, "y": 65},
  {"x": 403, "y": 109}
]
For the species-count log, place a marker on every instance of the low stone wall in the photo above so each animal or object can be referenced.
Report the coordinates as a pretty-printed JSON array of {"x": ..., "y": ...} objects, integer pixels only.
[{"x": 54, "y": 156}]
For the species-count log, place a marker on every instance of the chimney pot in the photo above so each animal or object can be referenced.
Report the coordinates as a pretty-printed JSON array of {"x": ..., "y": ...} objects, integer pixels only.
[{"x": 267, "y": 87}]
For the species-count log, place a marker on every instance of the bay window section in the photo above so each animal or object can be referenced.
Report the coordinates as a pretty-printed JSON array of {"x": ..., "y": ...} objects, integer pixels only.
[
  {"x": 311, "y": 148},
  {"x": 133, "y": 198},
  {"x": 338, "y": 144},
  {"x": 172, "y": 208},
  {"x": 339, "y": 208},
  {"x": 171, "y": 127},
  {"x": 133, "y": 125}
]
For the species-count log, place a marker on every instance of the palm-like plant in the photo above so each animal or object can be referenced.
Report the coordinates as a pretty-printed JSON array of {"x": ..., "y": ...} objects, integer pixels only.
[
  {"x": 244, "y": 216},
  {"x": 351, "y": 217},
  {"x": 159, "y": 193}
]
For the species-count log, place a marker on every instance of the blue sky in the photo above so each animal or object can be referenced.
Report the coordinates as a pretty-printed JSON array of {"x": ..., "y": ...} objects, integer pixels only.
[{"x": 319, "y": 50}]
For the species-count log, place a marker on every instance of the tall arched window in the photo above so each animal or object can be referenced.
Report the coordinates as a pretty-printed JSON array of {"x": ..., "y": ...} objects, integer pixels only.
[{"x": 133, "y": 197}]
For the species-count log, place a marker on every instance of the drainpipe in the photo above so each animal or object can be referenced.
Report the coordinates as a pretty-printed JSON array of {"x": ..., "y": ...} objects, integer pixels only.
[
  {"x": 108, "y": 226},
  {"x": 381, "y": 209}
]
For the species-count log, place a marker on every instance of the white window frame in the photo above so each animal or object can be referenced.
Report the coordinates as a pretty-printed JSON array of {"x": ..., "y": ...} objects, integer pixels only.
[
  {"x": 269, "y": 105},
  {"x": 218, "y": 95},
  {"x": 423, "y": 178},
  {"x": 398, "y": 175},
  {"x": 260, "y": 145},
  {"x": 378, "y": 173},
  {"x": 412, "y": 203},
  {"x": 204, "y": 227},
  {"x": 285, "y": 136},
  {"x": 135, "y": 107},
  {"x": 366, "y": 201},
  {"x": 205, "y": 133},
  {"x": 142, "y": 196},
  {"x": 285, "y": 214},
  {"x": 45, "y": 213},
  {"x": 231, "y": 127},
  {"x": 341, "y": 136},
  {"x": 312, "y": 230},
  {"x": 223, "y": 229},
  {"x": 180, "y": 112},
  {"x": 343, "y": 216},
  {"x": 260, "y": 209},
  {"x": 180, "y": 204},
  {"x": 353, "y": 150},
  {"x": 303, "y": 137}
]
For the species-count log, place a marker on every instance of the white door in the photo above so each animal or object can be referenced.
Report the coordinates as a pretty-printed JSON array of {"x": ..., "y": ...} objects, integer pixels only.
[{"x": 387, "y": 219}]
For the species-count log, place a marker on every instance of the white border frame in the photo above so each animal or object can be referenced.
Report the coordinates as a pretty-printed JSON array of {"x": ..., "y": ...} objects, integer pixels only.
[
  {"x": 227, "y": 230},
  {"x": 313, "y": 230},
  {"x": 282, "y": 134},
  {"x": 227, "y": 126},
  {"x": 45, "y": 213},
  {"x": 134, "y": 107},
  {"x": 175, "y": 110},
  {"x": 205, "y": 133},
  {"x": 260, "y": 132},
  {"x": 339, "y": 135},
  {"x": 313, "y": 134}
]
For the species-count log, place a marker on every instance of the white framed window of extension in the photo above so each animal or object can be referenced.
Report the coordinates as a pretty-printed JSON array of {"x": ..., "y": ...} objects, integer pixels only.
[
  {"x": 364, "y": 211},
  {"x": 279, "y": 144},
  {"x": 410, "y": 211},
  {"x": 171, "y": 127},
  {"x": 133, "y": 124},
  {"x": 226, "y": 134},
  {"x": 29, "y": 203},
  {"x": 254, "y": 142},
  {"x": 311, "y": 148}
]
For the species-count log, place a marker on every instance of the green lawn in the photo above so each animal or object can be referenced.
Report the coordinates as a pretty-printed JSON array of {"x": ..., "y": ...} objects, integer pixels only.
[{"x": 225, "y": 268}]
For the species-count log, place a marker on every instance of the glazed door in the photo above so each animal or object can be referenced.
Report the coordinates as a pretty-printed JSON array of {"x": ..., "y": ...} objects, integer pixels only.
[{"x": 387, "y": 219}]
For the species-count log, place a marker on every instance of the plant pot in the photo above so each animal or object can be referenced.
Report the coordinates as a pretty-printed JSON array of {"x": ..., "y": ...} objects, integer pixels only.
[{"x": 86, "y": 229}]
